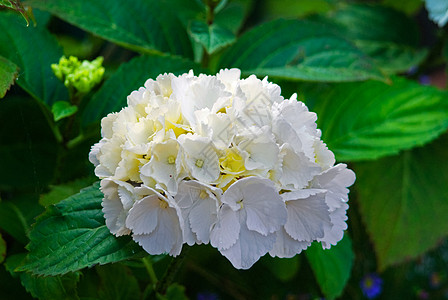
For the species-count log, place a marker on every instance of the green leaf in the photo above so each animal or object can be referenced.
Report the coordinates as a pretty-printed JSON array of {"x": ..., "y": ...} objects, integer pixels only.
[
  {"x": 72, "y": 235},
  {"x": 282, "y": 268},
  {"x": 33, "y": 53},
  {"x": 63, "y": 109},
  {"x": 130, "y": 76},
  {"x": 17, "y": 6},
  {"x": 2, "y": 249},
  {"x": 233, "y": 14},
  {"x": 299, "y": 50},
  {"x": 294, "y": 8},
  {"x": 8, "y": 73},
  {"x": 27, "y": 145},
  {"x": 149, "y": 26},
  {"x": 13, "y": 221},
  {"x": 331, "y": 267},
  {"x": 213, "y": 37},
  {"x": 402, "y": 200},
  {"x": 62, "y": 191},
  {"x": 45, "y": 288},
  {"x": 174, "y": 292},
  {"x": 110, "y": 275},
  {"x": 18, "y": 213},
  {"x": 51, "y": 287},
  {"x": 374, "y": 119},
  {"x": 391, "y": 38},
  {"x": 410, "y": 7}
]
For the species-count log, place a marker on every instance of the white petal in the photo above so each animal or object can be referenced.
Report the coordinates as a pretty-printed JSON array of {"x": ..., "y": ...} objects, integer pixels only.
[
  {"x": 95, "y": 151},
  {"x": 285, "y": 133},
  {"x": 222, "y": 129},
  {"x": 259, "y": 148},
  {"x": 230, "y": 78},
  {"x": 143, "y": 216},
  {"x": 115, "y": 216},
  {"x": 166, "y": 236},
  {"x": 324, "y": 157},
  {"x": 164, "y": 165},
  {"x": 197, "y": 220},
  {"x": 287, "y": 247},
  {"x": 306, "y": 217},
  {"x": 198, "y": 93},
  {"x": 249, "y": 247},
  {"x": 118, "y": 199},
  {"x": 297, "y": 170},
  {"x": 335, "y": 233},
  {"x": 110, "y": 153},
  {"x": 297, "y": 114},
  {"x": 127, "y": 196},
  {"x": 106, "y": 125},
  {"x": 200, "y": 157},
  {"x": 128, "y": 167},
  {"x": 225, "y": 232},
  {"x": 202, "y": 217},
  {"x": 137, "y": 98},
  {"x": 265, "y": 208},
  {"x": 335, "y": 180}
]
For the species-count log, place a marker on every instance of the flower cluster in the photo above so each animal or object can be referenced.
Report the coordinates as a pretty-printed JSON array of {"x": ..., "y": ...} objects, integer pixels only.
[
  {"x": 82, "y": 76},
  {"x": 219, "y": 160}
]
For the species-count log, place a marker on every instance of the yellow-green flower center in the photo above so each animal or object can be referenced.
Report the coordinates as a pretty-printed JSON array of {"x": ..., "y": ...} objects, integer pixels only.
[
  {"x": 232, "y": 162},
  {"x": 199, "y": 163}
]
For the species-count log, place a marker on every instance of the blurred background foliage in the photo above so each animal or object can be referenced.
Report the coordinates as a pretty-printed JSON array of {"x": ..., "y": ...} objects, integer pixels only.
[{"x": 373, "y": 71}]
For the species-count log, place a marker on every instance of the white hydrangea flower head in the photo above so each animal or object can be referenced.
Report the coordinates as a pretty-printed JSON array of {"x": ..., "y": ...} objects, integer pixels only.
[{"x": 220, "y": 160}]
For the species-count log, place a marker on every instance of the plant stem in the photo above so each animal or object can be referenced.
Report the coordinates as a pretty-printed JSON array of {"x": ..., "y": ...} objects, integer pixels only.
[
  {"x": 211, "y": 4},
  {"x": 210, "y": 18},
  {"x": 75, "y": 141},
  {"x": 148, "y": 265},
  {"x": 171, "y": 272}
]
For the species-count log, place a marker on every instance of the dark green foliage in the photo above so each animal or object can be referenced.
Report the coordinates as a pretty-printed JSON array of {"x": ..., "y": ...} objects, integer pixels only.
[{"x": 73, "y": 235}]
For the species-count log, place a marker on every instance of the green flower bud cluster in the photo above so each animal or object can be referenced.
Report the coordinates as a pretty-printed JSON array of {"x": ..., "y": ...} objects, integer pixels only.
[{"x": 82, "y": 76}]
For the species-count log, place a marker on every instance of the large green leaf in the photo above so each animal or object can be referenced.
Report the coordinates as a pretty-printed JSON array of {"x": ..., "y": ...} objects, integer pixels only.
[
  {"x": 130, "y": 76},
  {"x": 374, "y": 119},
  {"x": 72, "y": 235},
  {"x": 403, "y": 201},
  {"x": 391, "y": 38},
  {"x": 33, "y": 50},
  {"x": 300, "y": 50},
  {"x": 8, "y": 73},
  {"x": 149, "y": 26},
  {"x": 211, "y": 37},
  {"x": 45, "y": 288},
  {"x": 65, "y": 190},
  {"x": 221, "y": 32},
  {"x": 331, "y": 267}
]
